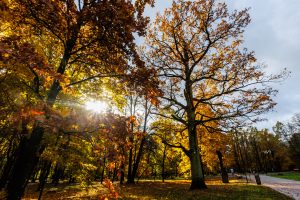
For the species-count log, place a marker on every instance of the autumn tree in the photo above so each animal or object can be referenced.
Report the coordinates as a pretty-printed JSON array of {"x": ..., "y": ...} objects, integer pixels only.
[
  {"x": 196, "y": 48},
  {"x": 294, "y": 148},
  {"x": 138, "y": 107},
  {"x": 58, "y": 46},
  {"x": 291, "y": 133},
  {"x": 259, "y": 151},
  {"x": 214, "y": 151},
  {"x": 167, "y": 133}
]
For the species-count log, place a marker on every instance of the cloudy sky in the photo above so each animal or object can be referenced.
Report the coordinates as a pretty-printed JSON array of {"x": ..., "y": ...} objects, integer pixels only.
[{"x": 274, "y": 35}]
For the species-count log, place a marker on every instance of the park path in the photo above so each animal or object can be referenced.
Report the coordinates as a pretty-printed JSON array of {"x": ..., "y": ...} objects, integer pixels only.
[{"x": 288, "y": 187}]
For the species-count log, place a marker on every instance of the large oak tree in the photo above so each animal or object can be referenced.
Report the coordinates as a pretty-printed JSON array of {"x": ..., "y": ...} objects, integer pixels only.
[{"x": 196, "y": 48}]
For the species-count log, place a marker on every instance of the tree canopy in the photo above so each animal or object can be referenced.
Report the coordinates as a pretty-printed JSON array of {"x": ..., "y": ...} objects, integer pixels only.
[{"x": 175, "y": 106}]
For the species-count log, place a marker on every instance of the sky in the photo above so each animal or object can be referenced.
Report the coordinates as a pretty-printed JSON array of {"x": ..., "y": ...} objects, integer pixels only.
[{"x": 274, "y": 36}]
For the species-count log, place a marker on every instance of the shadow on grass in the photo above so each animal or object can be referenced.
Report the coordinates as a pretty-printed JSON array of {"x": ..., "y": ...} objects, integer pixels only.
[
  {"x": 171, "y": 189},
  {"x": 216, "y": 190}
]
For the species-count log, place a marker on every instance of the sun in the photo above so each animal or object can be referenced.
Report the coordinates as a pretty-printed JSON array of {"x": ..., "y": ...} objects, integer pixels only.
[{"x": 96, "y": 106}]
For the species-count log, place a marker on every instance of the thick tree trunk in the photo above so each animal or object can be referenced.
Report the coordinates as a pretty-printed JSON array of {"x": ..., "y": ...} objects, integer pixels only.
[
  {"x": 223, "y": 169},
  {"x": 25, "y": 163},
  {"x": 194, "y": 153},
  {"x": 196, "y": 167}
]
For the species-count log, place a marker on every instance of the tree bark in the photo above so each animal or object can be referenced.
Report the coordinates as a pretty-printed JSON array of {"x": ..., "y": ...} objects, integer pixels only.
[
  {"x": 122, "y": 176},
  {"x": 58, "y": 173},
  {"x": 257, "y": 156},
  {"x": 103, "y": 169},
  {"x": 141, "y": 147},
  {"x": 137, "y": 161},
  {"x": 131, "y": 139},
  {"x": 196, "y": 167},
  {"x": 129, "y": 171},
  {"x": 223, "y": 169},
  {"x": 10, "y": 160},
  {"x": 163, "y": 164},
  {"x": 194, "y": 154},
  {"x": 43, "y": 177},
  {"x": 25, "y": 163},
  {"x": 236, "y": 155}
]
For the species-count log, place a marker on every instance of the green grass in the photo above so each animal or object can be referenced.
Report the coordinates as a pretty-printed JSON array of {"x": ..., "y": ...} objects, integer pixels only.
[{"x": 287, "y": 175}]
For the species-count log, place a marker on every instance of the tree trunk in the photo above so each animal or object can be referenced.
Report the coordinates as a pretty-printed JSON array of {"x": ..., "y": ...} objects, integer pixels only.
[
  {"x": 5, "y": 173},
  {"x": 223, "y": 169},
  {"x": 163, "y": 164},
  {"x": 12, "y": 154},
  {"x": 129, "y": 171},
  {"x": 137, "y": 161},
  {"x": 196, "y": 167},
  {"x": 114, "y": 177},
  {"x": 130, "y": 157},
  {"x": 236, "y": 156},
  {"x": 257, "y": 156},
  {"x": 122, "y": 166},
  {"x": 122, "y": 176},
  {"x": 25, "y": 163},
  {"x": 45, "y": 170},
  {"x": 10, "y": 160},
  {"x": 103, "y": 169},
  {"x": 43, "y": 177},
  {"x": 58, "y": 174},
  {"x": 133, "y": 102},
  {"x": 141, "y": 147}
]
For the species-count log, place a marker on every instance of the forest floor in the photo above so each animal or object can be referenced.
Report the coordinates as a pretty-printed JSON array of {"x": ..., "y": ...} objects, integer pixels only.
[{"x": 170, "y": 189}]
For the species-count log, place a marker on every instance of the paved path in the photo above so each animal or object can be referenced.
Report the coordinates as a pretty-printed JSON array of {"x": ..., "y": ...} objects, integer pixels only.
[{"x": 285, "y": 186}]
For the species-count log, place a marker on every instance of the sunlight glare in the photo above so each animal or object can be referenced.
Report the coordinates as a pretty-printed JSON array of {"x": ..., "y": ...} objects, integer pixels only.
[{"x": 96, "y": 106}]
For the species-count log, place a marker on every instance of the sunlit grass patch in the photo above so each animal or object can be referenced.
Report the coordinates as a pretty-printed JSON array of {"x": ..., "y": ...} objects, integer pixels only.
[{"x": 66, "y": 191}]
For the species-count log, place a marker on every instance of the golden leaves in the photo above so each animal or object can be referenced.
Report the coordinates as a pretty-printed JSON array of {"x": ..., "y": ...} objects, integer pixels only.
[
  {"x": 132, "y": 119},
  {"x": 113, "y": 194}
]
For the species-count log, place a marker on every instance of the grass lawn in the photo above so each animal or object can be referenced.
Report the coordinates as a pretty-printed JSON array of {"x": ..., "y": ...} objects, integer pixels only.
[
  {"x": 216, "y": 191},
  {"x": 287, "y": 175},
  {"x": 171, "y": 189}
]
